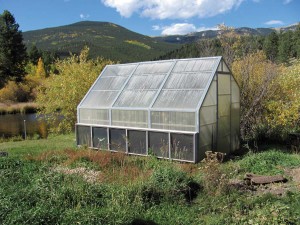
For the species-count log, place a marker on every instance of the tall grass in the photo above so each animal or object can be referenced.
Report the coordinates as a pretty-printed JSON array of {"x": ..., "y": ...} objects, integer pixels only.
[{"x": 131, "y": 189}]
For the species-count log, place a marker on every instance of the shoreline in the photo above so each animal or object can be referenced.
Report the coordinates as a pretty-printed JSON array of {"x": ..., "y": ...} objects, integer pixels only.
[{"x": 15, "y": 108}]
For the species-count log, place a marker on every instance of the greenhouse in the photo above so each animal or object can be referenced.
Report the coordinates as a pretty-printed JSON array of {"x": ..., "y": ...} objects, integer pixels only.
[{"x": 175, "y": 109}]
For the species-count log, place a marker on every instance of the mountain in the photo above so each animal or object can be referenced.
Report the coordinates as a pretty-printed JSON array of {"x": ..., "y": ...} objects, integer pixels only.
[
  {"x": 193, "y": 37},
  {"x": 105, "y": 39}
]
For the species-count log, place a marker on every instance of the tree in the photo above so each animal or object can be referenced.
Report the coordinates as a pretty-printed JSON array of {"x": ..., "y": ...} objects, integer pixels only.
[
  {"x": 271, "y": 46},
  {"x": 230, "y": 42},
  {"x": 283, "y": 110},
  {"x": 34, "y": 55},
  {"x": 255, "y": 75},
  {"x": 285, "y": 47},
  {"x": 12, "y": 50},
  {"x": 60, "y": 94},
  {"x": 297, "y": 41},
  {"x": 40, "y": 69}
]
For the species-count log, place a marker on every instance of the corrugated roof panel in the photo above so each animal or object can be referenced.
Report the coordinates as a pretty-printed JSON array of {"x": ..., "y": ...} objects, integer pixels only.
[
  {"x": 205, "y": 64},
  {"x": 145, "y": 82},
  {"x": 110, "y": 83},
  {"x": 135, "y": 99},
  {"x": 153, "y": 68},
  {"x": 187, "y": 80},
  {"x": 178, "y": 99},
  {"x": 99, "y": 99},
  {"x": 119, "y": 70}
]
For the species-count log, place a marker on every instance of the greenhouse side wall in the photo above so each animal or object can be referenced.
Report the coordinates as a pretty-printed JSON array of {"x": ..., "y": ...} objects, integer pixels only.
[{"x": 170, "y": 145}]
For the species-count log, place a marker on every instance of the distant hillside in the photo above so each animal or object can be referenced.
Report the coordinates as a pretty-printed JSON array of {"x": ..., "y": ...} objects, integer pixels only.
[
  {"x": 193, "y": 37},
  {"x": 104, "y": 39}
]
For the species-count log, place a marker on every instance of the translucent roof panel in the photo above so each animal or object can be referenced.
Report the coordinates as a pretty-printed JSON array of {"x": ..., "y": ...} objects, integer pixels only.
[
  {"x": 185, "y": 85},
  {"x": 154, "y": 68},
  {"x": 135, "y": 99},
  {"x": 118, "y": 70},
  {"x": 187, "y": 81},
  {"x": 99, "y": 99},
  {"x": 143, "y": 85},
  {"x": 170, "y": 84},
  {"x": 178, "y": 99}
]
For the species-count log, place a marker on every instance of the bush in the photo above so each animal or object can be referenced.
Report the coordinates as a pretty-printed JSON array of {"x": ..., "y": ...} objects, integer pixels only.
[{"x": 13, "y": 92}]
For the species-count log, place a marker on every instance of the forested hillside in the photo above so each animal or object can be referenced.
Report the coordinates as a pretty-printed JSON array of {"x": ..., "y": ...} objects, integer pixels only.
[
  {"x": 279, "y": 47},
  {"x": 104, "y": 39}
]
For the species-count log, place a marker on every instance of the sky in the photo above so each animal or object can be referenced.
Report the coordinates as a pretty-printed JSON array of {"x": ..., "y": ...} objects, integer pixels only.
[{"x": 155, "y": 17}]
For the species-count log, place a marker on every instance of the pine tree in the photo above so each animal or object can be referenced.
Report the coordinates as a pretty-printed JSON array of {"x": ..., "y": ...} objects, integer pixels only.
[
  {"x": 285, "y": 47},
  {"x": 34, "y": 55},
  {"x": 271, "y": 46},
  {"x": 12, "y": 50}
]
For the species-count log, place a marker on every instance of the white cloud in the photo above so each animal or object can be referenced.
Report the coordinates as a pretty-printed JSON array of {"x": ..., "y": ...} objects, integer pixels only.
[
  {"x": 287, "y": 1},
  {"x": 84, "y": 17},
  {"x": 172, "y": 9},
  {"x": 274, "y": 22},
  {"x": 181, "y": 29}
]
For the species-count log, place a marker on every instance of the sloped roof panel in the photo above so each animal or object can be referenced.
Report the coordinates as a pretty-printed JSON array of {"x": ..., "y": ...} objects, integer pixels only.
[{"x": 171, "y": 84}]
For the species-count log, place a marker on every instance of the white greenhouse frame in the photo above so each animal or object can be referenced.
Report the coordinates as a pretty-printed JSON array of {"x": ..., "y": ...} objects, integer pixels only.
[{"x": 194, "y": 102}]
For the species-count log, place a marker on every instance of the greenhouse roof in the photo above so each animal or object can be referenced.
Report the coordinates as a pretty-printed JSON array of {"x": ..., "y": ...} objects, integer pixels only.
[{"x": 170, "y": 85}]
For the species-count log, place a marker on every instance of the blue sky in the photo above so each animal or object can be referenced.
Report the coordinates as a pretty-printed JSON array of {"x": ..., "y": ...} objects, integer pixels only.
[{"x": 155, "y": 17}]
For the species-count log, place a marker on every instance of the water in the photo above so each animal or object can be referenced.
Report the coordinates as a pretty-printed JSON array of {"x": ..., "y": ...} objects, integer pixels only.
[{"x": 13, "y": 125}]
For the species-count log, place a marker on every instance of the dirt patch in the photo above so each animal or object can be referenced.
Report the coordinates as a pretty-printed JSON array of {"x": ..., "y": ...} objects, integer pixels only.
[
  {"x": 280, "y": 189},
  {"x": 90, "y": 176}
]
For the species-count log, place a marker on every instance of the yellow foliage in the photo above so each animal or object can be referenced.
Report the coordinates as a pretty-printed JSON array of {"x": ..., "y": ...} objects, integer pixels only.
[
  {"x": 284, "y": 107},
  {"x": 256, "y": 77},
  {"x": 60, "y": 94},
  {"x": 40, "y": 69}
]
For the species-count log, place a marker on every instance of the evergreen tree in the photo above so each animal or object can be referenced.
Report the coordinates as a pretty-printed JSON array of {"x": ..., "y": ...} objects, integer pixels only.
[
  {"x": 271, "y": 46},
  {"x": 285, "y": 47},
  {"x": 12, "y": 50},
  {"x": 34, "y": 55},
  {"x": 297, "y": 41}
]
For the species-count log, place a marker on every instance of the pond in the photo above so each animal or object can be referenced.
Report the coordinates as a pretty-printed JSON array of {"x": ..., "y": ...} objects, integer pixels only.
[{"x": 13, "y": 125}]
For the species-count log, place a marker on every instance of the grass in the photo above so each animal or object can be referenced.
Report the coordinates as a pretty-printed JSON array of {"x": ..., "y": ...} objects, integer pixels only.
[
  {"x": 25, "y": 107},
  {"x": 132, "y": 189}
]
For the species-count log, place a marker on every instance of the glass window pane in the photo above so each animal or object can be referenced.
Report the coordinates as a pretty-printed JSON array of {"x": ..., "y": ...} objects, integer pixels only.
[
  {"x": 159, "y": 144},
  {"x": 182, "y": 147},
  {"x": 83, "y": 135},
  {"x": 137, "y": 142},
  {"x": 100, "y": 137},
  {"x": 117, "y": 139}
]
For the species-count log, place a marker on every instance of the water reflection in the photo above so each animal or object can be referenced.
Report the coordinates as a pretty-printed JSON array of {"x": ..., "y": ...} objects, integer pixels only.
[{"x": 13, "y": 125}]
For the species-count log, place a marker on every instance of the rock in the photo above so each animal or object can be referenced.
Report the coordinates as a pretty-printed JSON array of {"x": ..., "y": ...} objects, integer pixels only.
[{"x": 253, "y": 179}]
